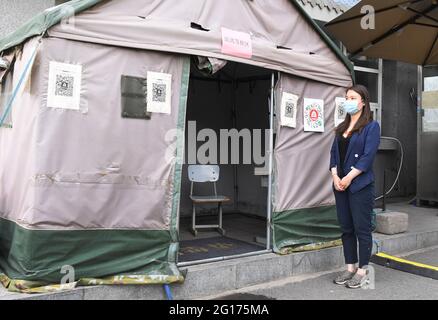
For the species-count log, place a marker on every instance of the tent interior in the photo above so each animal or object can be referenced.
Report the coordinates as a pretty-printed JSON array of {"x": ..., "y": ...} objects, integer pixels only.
[{"x": 235, "y": 97}]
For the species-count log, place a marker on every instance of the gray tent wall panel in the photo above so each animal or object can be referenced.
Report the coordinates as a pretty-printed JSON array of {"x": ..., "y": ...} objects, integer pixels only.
[
  {"x": 304, "y": 205},
  {"x": 302, "y": 157},
  {"x": 17, "y": 156},
  {"x": 99, "y": 138},
  {"x": 54, "y": 179}
]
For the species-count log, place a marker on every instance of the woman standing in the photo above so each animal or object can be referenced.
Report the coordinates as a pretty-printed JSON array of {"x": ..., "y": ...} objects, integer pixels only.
[{"x": 351, "y": 164}]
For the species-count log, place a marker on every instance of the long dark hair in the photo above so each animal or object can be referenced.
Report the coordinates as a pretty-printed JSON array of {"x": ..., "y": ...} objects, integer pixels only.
[{"x": 366, "y": 116}]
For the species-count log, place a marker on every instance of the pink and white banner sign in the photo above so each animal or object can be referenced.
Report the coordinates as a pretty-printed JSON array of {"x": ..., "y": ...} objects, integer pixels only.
[{"x": 235, "y": 43}]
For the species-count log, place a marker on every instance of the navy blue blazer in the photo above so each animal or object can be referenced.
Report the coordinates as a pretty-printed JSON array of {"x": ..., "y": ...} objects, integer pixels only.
[{"x": 360, "y": 155}]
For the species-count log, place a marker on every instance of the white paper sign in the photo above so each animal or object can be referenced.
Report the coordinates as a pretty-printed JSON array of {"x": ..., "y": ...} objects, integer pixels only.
[
  {"x": 289, "y": 103},
  {"x": 339, "y": 111},
  {"x": 159, "y": 92},
  {"x": 64, "y": 89},
  {"x": 313, "y": 115}
]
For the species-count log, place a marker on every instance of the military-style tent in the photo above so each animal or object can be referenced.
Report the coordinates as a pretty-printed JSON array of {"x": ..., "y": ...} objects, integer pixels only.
[{"x": 85, "y": 185}]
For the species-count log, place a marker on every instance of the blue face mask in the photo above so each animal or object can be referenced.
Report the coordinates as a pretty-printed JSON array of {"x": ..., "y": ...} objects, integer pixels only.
[{"x": 351, "y": 106}]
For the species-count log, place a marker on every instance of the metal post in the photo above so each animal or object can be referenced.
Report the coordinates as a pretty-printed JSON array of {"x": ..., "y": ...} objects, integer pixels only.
[
  {"x": 380, "y": 92},
  {"x": 419, "y": 130},
  {"x": 195, "y": 233},
  {"x": 271, "y": 153},
  {"x": 384, "y": 191},
  {"x": 243, "y": 255},
  {"x": 221, "y": 229},
  {"x": 234, "y": 120}
]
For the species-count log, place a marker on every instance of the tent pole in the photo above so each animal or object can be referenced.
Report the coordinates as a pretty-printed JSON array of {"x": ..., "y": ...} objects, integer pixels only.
[
  {"x": 419, "y": 130},
  {"x": 270, "y": 159},
  {"x": 225, "y": 258},
  {"x": 234, "y": 115}
]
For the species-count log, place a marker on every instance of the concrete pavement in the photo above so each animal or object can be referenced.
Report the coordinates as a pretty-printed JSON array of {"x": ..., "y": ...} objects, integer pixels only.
[{"x": 389, "y": 284}]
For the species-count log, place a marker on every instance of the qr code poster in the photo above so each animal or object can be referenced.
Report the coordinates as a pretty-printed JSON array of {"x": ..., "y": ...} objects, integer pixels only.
[
  {"x": 159, "y": 92},
  {"x": 64, "y": 90},
  {"x": 339, "y": 111},
  {"x": 313, "y": 115},
  {"x": 289, "y": 104}
]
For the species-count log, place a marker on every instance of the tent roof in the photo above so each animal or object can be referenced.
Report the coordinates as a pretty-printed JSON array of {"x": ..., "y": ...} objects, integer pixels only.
[
  {"x": 52, "y": 16},
  {"x": 325, "y": 37}
]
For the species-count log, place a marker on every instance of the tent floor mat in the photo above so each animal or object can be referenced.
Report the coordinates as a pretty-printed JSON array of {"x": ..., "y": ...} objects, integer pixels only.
[{"x": 207, "y": 248}]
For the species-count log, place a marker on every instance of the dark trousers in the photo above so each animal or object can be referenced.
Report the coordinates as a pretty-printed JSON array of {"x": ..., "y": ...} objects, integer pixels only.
[{"x": 354, "y": 216}]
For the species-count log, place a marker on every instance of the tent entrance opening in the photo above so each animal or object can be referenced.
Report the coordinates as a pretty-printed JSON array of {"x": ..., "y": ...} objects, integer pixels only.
[{"x": 227, "y": 132}]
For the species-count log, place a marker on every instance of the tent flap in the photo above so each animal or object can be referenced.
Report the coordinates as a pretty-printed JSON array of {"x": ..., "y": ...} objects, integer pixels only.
[
  {"x": 304, "y": 205},
  {"x": 301, "y": 227},
  {"x": 40, "y": 255}
]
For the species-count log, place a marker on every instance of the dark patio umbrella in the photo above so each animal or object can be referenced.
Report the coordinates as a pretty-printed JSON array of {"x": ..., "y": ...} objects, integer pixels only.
[{"x": 404, "y": 31}]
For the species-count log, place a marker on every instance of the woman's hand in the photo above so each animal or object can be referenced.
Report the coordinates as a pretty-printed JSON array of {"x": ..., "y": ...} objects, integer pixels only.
[
  {"x": 337, "y": 183},
  {"x": 345, "y": 182}
]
